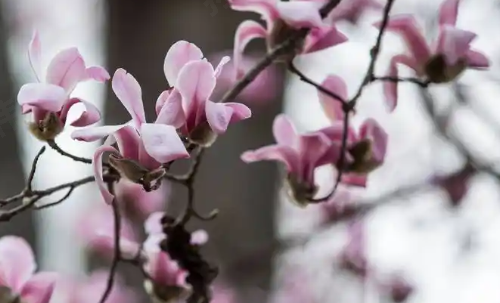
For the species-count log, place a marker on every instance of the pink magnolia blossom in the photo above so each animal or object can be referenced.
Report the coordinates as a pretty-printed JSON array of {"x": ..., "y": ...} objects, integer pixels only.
[
  {"x": 366, "y": 148},
  {"x": 96, "y": 229},
  {"x": 142, "y": 147},
  {"x": 18, "y": 279},
  {"x": 139, "y": 203},
  {"x": 282, "y": 18},
  {"x": 91, "y": 290},
  {"x": 301, "y": 154},
  {"x": 353, "y": 256},
  {"x": 50, "y": 100},
  {"x": 441, "y": 62},
  {"x": 187, "y": 106},
  {"x": 456, "y": 185}
]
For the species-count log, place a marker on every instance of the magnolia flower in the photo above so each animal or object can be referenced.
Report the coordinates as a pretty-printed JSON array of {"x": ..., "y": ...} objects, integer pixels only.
[
  {"x": 50, "y": 100},
  {"x": 96, "y": 229},
  {"x": 282, "y": 19},
  {"x": 365, "y": 149},
  {"x": 18, "y": 281},
  {"x": 142, "y": 147},
  {"x": 455, "y": 185},
  {"x": 353, "y": 256},
  {"x": 188, "y": 106},
  {"x": 301, "y": 154},
  {"x": 441, "y": 62},
  {"x": 91, "y": 290}
]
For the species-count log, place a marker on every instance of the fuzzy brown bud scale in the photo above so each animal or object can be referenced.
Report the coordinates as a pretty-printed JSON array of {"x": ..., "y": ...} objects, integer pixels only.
[
  {"x": 48, "y": 128},
  {"x": 135, "y": 172}
]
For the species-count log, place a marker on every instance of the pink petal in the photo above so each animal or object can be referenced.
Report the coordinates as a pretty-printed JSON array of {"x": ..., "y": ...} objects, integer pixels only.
[
  {"x": 141, "y": 202},
  {"x": 45, "y": 96},
  {"x": 354, "y": 180},
  {"x": 218, "y": 116},
  {"x": 66, "y": 69},
  {"x": 95, "y": 133},
  {"x": 240, "y": 111},
  {"x": 162, "y": 98},
  {"x": 153, "y": 224},
  {"x": 332, "y": 106},
  {"x": 199, "y": 237},
  {"x": 448, "y": 12},
  {"x": 284, "y": 131},
  {"x": 300, "y": 14},
  {"x": 220, "y": 66},
  {"x": 266, "y": 8},
  {"x": 171, "y": 112},
  {"x": 406, "y": 25},
  {"x": 17, "y": 262},
  {"x": 477, "y": 60},
  {"x": 372, "y": 130},
  {"x": 35, "y": 54},
  {"x": 195, "y": 82},
  {"x": 97, "y": 73},
  {"x": 128, "y": 90},
  {"x": 313, "y": 148},
  {"x": 90, "y": 114},
  {"x": 282, "y": 153},
  {"x": 391, "y": 87},
  {"x": 39, "y": 288},
  {"x": 323, "y": 37},
  {"x": 164, "y": 270},
  {"x": 177, "y": 56},
  {"x": 97, "y": 167},
  {"x": 128, "y": 142},
  {"x": 246, "y": 32},
  {"x": 162, "y": 142},
  {"x": 454, "y": 43}
]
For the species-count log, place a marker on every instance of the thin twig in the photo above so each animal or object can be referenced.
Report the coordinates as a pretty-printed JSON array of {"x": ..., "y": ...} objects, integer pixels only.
[
  {"x": 56, "y": 147},
  {"x": 401, "y": 79},
  {"x": 116, "y": 253},
  {"x": 29, "y": 183}
]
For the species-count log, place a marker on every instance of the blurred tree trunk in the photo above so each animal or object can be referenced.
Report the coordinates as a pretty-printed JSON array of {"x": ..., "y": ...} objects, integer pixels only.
[
  {"x": 139, "y": 35},
  {"x": 11, "y": 173}
]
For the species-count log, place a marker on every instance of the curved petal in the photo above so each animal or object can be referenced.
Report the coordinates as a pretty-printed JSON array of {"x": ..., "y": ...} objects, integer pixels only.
[
  {"x": 35, "y": 54},
  {"x": 162, "y": 142},
  {"x": 152, "y": 225},
  {"x": 240, "y": 111},
  {"x": 220, "y": 66},
  {"x": 128, "y": 90},
  {"x": 162, "y": 98},
  {"x": 66, "y": 69},
  {"x": 354, "y": 180},
  {"x": 300, "y": 14},
  {"x": 17, "y": 262},
  {"x": 164, "y": 270},
  {"x": 91, "y": 134},
  {"x": 97, "y": 167},
  {"x": 454, "y": 43},
  {"x": 313, "y": 147},
  {"x": 45, "y": 96},
  {"x": 477, "y": 60},
  {"x": 391, "y": 87},
  {"x": 39, "y": 289},
  {"x": 218, "y": 116},
  {"x": 97, "y": 73},
  {"x": 128, "y": 142},
  {"x": 332, "y": 106},
  {"x": 88, "y": 116},
  {"x": 266, "y": 8},
  {"x": 284, "y": 131},
  {"x": 171, "y": 112},
  {"x": 407, "y": 27},
  {"x": 448, "y": 12},
  {"x": 323, "y": 37},
  {"x": 246, "y": 32},
  {"x": 177, "y": 56},
  {"x": 282, "y": 153},
  {"x": 195, "y": 82}
]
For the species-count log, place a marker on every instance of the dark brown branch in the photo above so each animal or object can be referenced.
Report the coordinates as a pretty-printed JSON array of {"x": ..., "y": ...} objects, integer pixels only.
[
  {"x": 401, "y": 79},
  {"x": 56, "y": 147},
  {"x": 29, "y": 185}
]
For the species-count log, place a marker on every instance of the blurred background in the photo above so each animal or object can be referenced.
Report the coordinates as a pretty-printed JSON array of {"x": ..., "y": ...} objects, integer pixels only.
[{"x": 429, "y": 244}]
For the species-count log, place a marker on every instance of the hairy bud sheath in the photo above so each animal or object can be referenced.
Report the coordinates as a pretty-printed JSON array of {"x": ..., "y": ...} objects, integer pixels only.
[{"x": 48, "y": 128}]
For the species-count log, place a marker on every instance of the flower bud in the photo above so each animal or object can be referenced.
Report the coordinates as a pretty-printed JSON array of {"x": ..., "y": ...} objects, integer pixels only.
[{"x": 48, "y": 128}]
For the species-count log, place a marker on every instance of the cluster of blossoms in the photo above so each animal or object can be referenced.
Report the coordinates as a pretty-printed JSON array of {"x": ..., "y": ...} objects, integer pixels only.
[{"x": 187, "y": 117}]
